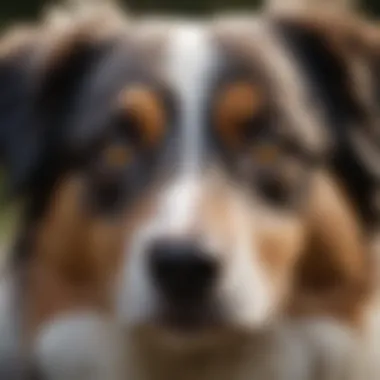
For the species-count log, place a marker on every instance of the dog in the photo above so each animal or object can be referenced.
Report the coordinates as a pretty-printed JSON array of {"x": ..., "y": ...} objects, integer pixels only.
[{"x": 198, "y": 198}]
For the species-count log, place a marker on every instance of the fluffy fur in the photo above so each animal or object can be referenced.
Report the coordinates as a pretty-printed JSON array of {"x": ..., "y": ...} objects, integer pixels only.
[{"x": 296, "y": 297}]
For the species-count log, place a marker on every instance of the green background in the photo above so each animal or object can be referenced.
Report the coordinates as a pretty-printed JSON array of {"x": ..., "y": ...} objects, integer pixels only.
[{"x": 16, "y": 9}]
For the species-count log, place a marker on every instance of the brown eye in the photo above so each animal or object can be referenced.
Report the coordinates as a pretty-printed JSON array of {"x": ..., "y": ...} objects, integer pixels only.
[
  {"x": 146, "y": 108},
  {"x": 266, "y": 155},
  {"x": 117, "y": 156},
  {"x": 283, "y": 184},
  {"x": 236, "y": 104}
]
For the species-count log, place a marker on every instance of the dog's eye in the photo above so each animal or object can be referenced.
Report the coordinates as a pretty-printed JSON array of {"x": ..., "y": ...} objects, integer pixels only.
[
  {"x": 265, "y": 154},
  {"x": 283, "y": 184},
  {"x": 117, "y": 156},
  {"x": 146, "y": 109},
  {"x": 277, "y": 177},
  {"x": 236, "y": 106},
  {"x": 274, "y": 190},
  {"x": 108, "y": 177}
]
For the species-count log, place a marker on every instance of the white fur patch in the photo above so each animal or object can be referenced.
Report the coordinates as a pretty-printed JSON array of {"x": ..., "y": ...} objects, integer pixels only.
[
  {"x": 190, "y": 57},
  {"x": 79, "y": 347},
  {"x": 247, "y": 289},
  {"x": 188, "y": 60},
  {"x": 13, "y": 364},
  {"x": 179, "y": 205}
]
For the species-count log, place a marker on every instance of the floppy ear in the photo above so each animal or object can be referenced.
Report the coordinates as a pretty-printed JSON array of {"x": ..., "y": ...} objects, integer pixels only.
[
  {"x": 39, "y": 73},
  {"x": 19, "y": 141},
  {"x": 339, "y": 60},
  {"x": 334, "y": 275}
]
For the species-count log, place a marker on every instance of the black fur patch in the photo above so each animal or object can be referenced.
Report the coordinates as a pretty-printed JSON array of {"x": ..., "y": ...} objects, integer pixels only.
[{"x": 327, "y": 74}]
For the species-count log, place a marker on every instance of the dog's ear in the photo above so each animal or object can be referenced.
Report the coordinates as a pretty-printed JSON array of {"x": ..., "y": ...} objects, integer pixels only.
[
  {"x": 19, "y": 142},
  {"x": 339, "y": 60},
  {"x": 39, "y": 75},
  {"x": 333, "y": 276}
]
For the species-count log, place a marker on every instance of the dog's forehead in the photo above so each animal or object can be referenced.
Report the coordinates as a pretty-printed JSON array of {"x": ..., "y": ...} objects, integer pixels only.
[
  {"x": 193, "y": 57},
  {"x": 180, "y": 51},
  {"x": 190, "y": 58},
  {"x": 188, "y": 55}
]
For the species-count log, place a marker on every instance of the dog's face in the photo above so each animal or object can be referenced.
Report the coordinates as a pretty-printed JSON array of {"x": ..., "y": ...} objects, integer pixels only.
[
  {"x": 179, "y": 177},
  {"x": 225, "y": 222}
]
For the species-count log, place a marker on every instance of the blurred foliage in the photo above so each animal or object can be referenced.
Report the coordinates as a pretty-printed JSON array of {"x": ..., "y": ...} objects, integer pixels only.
[
  {"x": 189, "y": 6},
  {"x": 25, "y": 9},
  {"x": 371, "y": 6},
  {"x": 22, "y": 9},
  {"x": 19, "y": 9}
]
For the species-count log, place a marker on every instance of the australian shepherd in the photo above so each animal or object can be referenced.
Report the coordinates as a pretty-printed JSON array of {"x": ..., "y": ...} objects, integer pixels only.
[{"x": 200, "y": 198}]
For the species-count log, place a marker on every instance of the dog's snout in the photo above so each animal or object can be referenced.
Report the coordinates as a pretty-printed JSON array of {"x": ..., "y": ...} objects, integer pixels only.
[{"x": 182, "y": 270}]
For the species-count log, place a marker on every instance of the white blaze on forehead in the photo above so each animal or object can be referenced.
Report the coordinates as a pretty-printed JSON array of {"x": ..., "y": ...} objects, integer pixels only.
[
  {"x": 190, "y": 59},
  {"x": 189, "y": 64},
  {"x": 180, "y": 203}
]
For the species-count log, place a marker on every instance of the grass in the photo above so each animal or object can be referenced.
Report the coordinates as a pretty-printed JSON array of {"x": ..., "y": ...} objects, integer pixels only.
[
  {"x": 8, "y": 215},
  {"x": 8, "y": 220}
]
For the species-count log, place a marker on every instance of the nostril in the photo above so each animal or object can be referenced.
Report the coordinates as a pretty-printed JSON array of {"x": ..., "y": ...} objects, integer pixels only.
[{"x": 182, "y": 270}]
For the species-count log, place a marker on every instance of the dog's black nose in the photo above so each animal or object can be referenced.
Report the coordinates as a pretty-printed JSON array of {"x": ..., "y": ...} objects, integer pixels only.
[{"x": 182, "y": 270}]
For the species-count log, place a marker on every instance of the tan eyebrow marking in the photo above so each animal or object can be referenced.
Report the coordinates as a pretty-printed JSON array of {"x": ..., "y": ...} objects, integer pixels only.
[
  {"x": 266, "y": 154},
  {"x": 237, "y": 103},
  {"x": 117, "y": 155},
  {"x": 143, "y": 104}
]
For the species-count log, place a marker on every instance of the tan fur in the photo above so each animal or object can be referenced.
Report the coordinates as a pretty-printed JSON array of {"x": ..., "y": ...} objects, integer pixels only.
[
  {"x": 146, "y": 108},
  {"x": 17, "y": 39},
  {"x": 75, "y": 256},
  {"x": 336, "y": 6},
  {"x": 334, "y": 275},
  {"x": 235, "y": 105}
]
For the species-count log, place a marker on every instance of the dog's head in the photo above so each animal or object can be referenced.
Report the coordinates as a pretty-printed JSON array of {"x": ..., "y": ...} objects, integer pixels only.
[{"x": 182, "y": 175}]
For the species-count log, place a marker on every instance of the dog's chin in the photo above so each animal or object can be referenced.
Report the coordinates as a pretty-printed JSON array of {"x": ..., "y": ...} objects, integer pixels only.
[
  {"x": 169, "y": 338},
  {"x": 191, "y": 331},
  {"x": 187, "y": 327}
]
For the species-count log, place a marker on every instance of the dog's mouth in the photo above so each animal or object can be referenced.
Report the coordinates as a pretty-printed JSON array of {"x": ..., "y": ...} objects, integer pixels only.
[
  {"x": 191, "y": 318},
  {"x": 196, "y": 330}
]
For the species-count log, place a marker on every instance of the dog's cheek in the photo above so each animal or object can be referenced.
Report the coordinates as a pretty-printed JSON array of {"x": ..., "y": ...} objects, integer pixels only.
[
  {"x": 333, "y": 275},
  {"x": 280, "y": 246}
]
